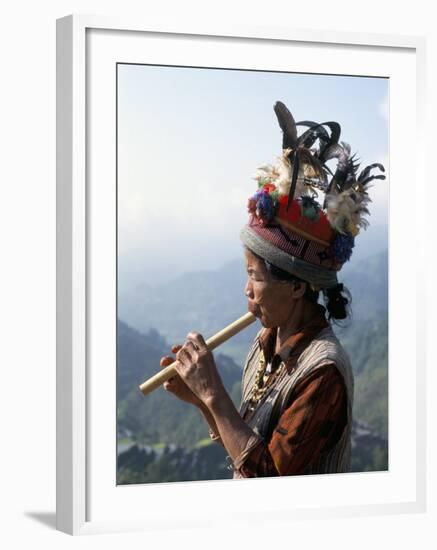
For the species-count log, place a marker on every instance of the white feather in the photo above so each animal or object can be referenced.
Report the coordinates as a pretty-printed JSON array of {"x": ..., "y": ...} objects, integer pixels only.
[
  {"x": 285, "y": 171},
  {"x": 344, "y": 210},
  {"x": 280, "y": 175}
]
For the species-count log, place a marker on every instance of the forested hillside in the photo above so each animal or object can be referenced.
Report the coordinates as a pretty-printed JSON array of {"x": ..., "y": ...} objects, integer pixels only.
[{"x": 163, "y": 439}]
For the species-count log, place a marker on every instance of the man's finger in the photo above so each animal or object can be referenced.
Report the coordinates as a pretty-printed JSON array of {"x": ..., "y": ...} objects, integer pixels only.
[
  {"x": 197, "y": 340},
  {"x": 170, "y": 382},
  {"x": 166, "y": 361},
  {"x": 175, "y": 348}
]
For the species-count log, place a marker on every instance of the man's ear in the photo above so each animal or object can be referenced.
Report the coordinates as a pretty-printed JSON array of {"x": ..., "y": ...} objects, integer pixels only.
[{"x": 298, "y": 289}]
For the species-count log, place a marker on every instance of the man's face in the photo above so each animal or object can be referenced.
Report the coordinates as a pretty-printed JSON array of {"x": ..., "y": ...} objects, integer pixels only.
[{"x": 271, "y": 301}]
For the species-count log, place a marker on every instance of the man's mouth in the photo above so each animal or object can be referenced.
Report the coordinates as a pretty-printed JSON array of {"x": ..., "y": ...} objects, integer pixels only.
[{"x": 253, "y": 309}]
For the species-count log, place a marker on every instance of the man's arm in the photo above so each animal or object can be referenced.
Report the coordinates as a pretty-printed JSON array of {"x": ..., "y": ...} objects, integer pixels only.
[
  {"x": 213, "y": 430},
  {"x": 237, "y": 437}
]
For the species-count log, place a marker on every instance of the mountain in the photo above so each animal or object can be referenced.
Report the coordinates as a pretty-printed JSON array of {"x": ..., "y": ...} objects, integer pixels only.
[
  {"x": 163, "y": 439},
  {"x": 207, "y": 301},
  {"x": 143, "y": 464},
  {"x": 158, "y": 430},
  {"x": 156, "y": 418},
  {"x": 138, "y": 356},
  {"x": 367, "y": 281}
]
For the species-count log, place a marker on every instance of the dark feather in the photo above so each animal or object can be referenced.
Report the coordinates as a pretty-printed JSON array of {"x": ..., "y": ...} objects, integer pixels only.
[
  {"x": 335, "y": 130},
  {"x": 305, "y": 157},
  {"x": 335, "y": 136},
  {"x": 312, "y": 124},
  {"x": 339, "y": 181},
  {"x": 366, "y": 170},
  {"x": 287, "y": 124},
  {"x": 316, "y": 131},
  {"x": 295, "y": 162},
  {"x": 333, "y": 151},
  {"x": 352, "y": 167},
  {"x": 348, "y": 183},
  {"x": 371, "y": 178},
  {"x": 336, "y": 181}
]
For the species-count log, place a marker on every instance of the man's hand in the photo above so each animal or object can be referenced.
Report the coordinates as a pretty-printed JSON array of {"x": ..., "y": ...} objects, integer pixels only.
[
  {"x": 197, "y": 368},
  {"x": 176, "y": 385}
]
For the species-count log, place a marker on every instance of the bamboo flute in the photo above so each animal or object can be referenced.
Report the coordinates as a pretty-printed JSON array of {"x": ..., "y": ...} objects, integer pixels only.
[{"x": 212, "y": 343}]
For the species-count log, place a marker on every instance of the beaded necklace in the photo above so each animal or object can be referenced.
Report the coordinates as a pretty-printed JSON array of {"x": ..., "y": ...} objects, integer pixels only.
[{"x": 260, "y": 385}]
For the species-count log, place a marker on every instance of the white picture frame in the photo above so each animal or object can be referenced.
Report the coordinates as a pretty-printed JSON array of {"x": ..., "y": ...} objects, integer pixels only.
[{"x": 78, "y": 385}]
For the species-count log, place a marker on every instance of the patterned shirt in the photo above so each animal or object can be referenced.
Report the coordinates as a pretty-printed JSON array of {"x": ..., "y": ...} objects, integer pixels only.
[{"x": 315, "y": 417}]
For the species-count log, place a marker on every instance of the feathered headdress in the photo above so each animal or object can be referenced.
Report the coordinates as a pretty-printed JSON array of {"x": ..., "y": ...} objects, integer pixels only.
[{"x": 288, "y": 191}]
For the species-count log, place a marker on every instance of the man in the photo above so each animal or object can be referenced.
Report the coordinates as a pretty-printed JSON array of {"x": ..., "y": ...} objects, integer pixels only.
[{"x": 297, "y": 387}]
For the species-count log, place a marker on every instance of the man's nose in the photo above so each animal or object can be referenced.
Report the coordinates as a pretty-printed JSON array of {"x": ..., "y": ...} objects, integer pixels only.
[{"x": 248, "y": 290}]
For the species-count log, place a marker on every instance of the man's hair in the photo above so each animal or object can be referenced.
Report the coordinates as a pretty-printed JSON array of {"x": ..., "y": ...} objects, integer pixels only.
[{"x": 337, "y": 299}]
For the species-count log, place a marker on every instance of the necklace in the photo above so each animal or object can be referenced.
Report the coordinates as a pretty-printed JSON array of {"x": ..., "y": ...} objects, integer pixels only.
[{"x": 260, "y": 385}]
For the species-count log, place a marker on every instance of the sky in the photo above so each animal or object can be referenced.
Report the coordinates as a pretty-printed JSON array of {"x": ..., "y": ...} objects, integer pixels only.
[{"x": 189, "y": 143}]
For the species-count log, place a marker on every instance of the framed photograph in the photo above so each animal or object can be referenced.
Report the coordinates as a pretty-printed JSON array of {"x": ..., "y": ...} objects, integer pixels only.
[{"x": 163, "y": 135}]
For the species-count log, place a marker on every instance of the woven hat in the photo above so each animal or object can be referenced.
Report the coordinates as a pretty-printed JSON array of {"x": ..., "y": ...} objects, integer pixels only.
[{"x": 304, "y": 217}]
